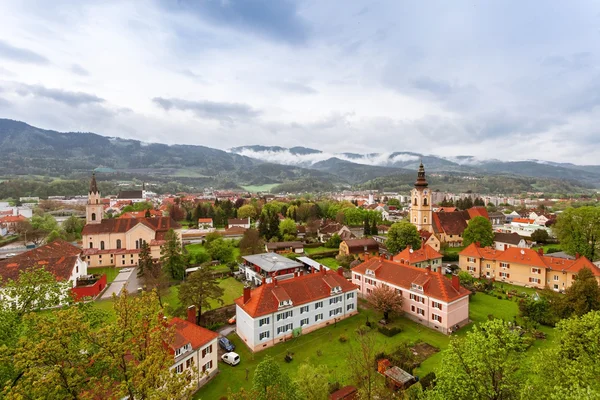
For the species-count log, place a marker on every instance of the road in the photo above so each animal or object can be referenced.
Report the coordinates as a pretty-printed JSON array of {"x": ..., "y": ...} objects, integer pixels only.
[{"x": 127, "y": 278}]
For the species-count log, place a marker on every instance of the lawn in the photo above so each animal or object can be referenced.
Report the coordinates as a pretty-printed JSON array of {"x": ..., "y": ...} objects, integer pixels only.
[
  {"x": 232, "y": 290},
  {"x": 329, "y": 262},
  {"x": 319, "y": 249},
  {"x": 260, "y": 188},
  {"x": 333, "y": 352},
  {"x": 111, "y": 272}
]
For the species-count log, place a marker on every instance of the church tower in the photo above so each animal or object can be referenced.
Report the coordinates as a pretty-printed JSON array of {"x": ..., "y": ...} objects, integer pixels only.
[
  {"x": 94, "y": 208},
  {"x": 421, "y": 213}
]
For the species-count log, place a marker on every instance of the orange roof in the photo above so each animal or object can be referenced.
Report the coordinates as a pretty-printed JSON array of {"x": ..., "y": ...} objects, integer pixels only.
[
  {"x": 411, "y": 256},
  {"x": 141, "y": 214},
  {"x": 473, "y": 250},
  {"x": 478, "y": 212},
  {"x": 434, "y": 284},
  {"x": 447, "y": 209},
  {"x": 303, "y": 289},
  {"x": 187, "y": 332},
  {"x": 524, "y": 220},
  {"x": 12, "y": 219},
  {"x": 205, "y": 220}
]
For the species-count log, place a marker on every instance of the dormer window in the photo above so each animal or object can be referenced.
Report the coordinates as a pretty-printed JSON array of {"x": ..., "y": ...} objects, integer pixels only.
[
  {"x": 370, "y": 272},
  {"x": 416, "y": 287},
  {"x": 336, "y": 289},
  {"x": 182, "y": 350},
  {"x": 285, "y": 303}
]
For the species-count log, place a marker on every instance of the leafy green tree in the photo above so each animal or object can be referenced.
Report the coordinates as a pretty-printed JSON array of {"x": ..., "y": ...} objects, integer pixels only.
[
  {"x": 374, "y": 230},
  {"x": 263, "y": 226},
  {"x": 269, "y": 379},
  {"x": 570, "y": 368},
  {"x": 273, "y": 226},
  {"x": 144, "y": 260},
  {"x": 402, "y": 234},
  {"x": 251, "y": 243},
  {"x": 484, "y": 364},
  {"x": 312, "y": 381},
  {"x": 578, "y": 230},
  {"x": 385, "y": 300},
  {"x": 393, "y": 202},
  {"x": 73, "y": 227},
  {"x": 479, "y": 230},
  {"x": 246, "y": 211},
  {"x": 540, "y": 236},
  {"x": 366, "y": 227},
  {"x": 583, "y": 295},
  {"x": 199, "y": 289},
  {"x": 287, "y": 227},
  {"x": 334, "y": 241},
  {"x": 171, "y": 256},
  {"x": 221, "y": 250},
  {"x": 54, "y": 235}
]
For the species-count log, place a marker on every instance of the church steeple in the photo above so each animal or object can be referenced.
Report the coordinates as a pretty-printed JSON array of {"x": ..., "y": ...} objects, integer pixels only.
[
  {"x": 421, "y": 180},
  {"x": 93, "y": 185},
  {"x": 94, "y": 208}
]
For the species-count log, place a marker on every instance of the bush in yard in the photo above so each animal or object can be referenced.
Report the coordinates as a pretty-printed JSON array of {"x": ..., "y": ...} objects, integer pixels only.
[
  {"x": 389, "y": 331},
  {"x": 343, "y": 338},
  {"x": 428, "y": 381}
]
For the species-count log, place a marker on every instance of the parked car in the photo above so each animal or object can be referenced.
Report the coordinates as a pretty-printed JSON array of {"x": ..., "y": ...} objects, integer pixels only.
[
  {"x": 231, "y": 358},
  {"x": 226, "y": 344},
  {"x": 231, "y": 320}
]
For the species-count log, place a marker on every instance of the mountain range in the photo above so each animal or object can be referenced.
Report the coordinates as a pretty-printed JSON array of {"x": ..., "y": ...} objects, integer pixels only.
[{"x": 33, "y": 153}]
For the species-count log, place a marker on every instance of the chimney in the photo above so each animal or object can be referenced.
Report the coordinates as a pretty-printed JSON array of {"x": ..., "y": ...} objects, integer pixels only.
[
  {"x": 247, "y": 294},
  {"x": 541, "y": 251},
  {"x": 264, "y": 280},
  {"x": 340, "y": 271},
  {"x": 381, "y": 257},
  {"x": 428, "y": 268},
  {"x": 455, "y": 282},
  {"x": 478, "y": 244},
  {"x": 577, "y": 255},
  {"x": 191, "y": 314},
  {"x": 323, "y": 270},
  {"x": 367, "y": 256}
]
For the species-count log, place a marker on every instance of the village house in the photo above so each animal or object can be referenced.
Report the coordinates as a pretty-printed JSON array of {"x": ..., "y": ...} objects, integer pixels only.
[
  {"x": 424, "y": 257},
  {"x": 359, "y": 248},
  {"x": 429, "y": 298},
  {"x": 523, "y": 267},
  {"x": 117, "y": 242},
  {"x": 285, "y": 247},
  {"x": 262, "y": 268},
  {"x": 205, "y": 223},
  {"x": 238, "y": 223},
  {"x": 194, "y": 346},
  {"x": 503, "y": 241},
  {"x": 327, "y": 231},
  {"x": 280, "y": 310},
  {"x": 11, "y": 222}
]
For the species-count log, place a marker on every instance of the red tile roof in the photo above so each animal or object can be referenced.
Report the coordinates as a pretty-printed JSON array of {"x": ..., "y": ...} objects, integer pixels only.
[
  {"x": 524, "y": 221},
  {"x": 446, "y": 209},
  {"x": 359, "y": 245},
  {"x": 58, "y": 257},
  {"x": 187, "y": 332},
  {"x": 301, "y": 290},
  {"x": 434, "y": 284},
  {"x": 478, "y": 212},
  {"x": 141, "y": 214},
  {"x": 205, "y": 220},
  {"x": 451, "y": 223},
  {"x": 12, "y": 219},
  {"x": 411, "y": 256},
  {"x": 119, "y": 225}
]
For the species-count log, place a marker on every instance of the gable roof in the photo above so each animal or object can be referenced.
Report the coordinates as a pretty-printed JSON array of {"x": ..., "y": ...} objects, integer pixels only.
[
  {"x": 359, "y": 245},
  {"x": 58, "y": 257},
  {"x": 451, "y": 223},
  {"x": 478, "y": 211},
  {"x": 130, "y": 194},
  {"x": 411, "y": 256},
  {"x": 434, "y": 284},
  {"x": 122, "y": 225},
  {"x": 187, "y": 332},
  {"x": 303, "y": 289},
  {"x": 510, "y": 238},
  {"x": 238, "y": 221},
  {"x": 12, "y": 219},
  {"x": 271, "y": 262},
  {"x": 271, "y": 246}
]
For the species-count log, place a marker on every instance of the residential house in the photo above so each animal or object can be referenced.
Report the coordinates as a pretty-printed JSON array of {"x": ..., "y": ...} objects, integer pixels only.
[
  {"x": 509, "y": 217},
  {"x": 281, "y": 310},
  {"x": 428, "y": 238},
  {"x": 429, "y": 298},
  {"x": 326, "y": 232},
  {"x": 238, "y": 223},
  {"x": 424, "y": 257},
  {"x": 205, "y": 223},
  {"x": 233, "y": 233},
  {"x": 11, "y": 222},
  {"x": 194, "y": 346},
  {"x": 285, "y": 247},
  {"x": 262, "y": 268},
  {"x": 3, "y": 229},
  {"x": 383, "y": 229},
  {"x": 142, "y": 214},
  {"x": 497, "y": 218},
  {"x": 503, "y": 241},
  {"x": 524, "y": 227},
  {"x": 359, "y": 248},
  {"x": 523, "y": 267},
  {"x": 117, "y": 242}
]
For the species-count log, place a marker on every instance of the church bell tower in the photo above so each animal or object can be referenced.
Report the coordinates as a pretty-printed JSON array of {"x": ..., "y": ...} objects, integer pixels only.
[
  {"x": 94, "y": 208},
  {"x": 421, "y": 213}
]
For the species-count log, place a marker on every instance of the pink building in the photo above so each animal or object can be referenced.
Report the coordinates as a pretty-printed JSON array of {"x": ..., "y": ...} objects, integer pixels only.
[{"x": 429, "y": 298}]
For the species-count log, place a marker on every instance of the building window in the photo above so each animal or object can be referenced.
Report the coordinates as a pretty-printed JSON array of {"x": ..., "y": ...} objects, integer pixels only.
[
  {"x": 350, "y": 307},
  {"x": 207, "y": 366},
  {"x": 93, "y": 216},
  {"x": 350, "y": 296},
  {"x": 102, "y": 245},
  {"x": 471, "y": 259},
  {"x": 189, "y": 362},
  {"x": 318, "y": 317},
  {"x": 285, "y": 328},
  {"x": 437, "y": 305},
  {"x": 303, "y": 309},
  {"x": 118, "y": 243},
  {"x": 264, "y": 321},
  {"x": 536, "y": 271},
  {"x": 179, "y": 368},
  {"x": 555, "y": 277},
  {"x": 399, "y": 292},
  {"x": 91, "y": 245},
  {"x": 436, "y": 317},
  {"x": 206, "y": 350},
  {"x": 123, "y": 262},
  {"x": 470, "y": 268},
  {"x": 424, "y": 220},
  {"x": 284, "y": 315},
  {"x": 264, "y": 335},
  {"x": 420, "y": 311},
  {"x": 305, "y": 321},
  {"x": 335, "y": 300},
  {"x": 505, "y": 265},
  {"x": 357, "y": 277},
  {"x": 318, "y": 305},
  {"x": 335, "y": 312},
  {"x": 504, "y": 275},
  {"x": 488, "y": 266},
  {"x": 534, "y": 280},
  {"x": 412, "y": 308}
]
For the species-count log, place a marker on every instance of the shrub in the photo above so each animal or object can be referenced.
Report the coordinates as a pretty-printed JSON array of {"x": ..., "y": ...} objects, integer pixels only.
[
  {"x": 289, "y": 357},
  {"x": 499, "y": 297},
  {"x": 343, "y": 338},
  {"x": 319, "y": 353},
  {"x": 389, "y": 331},
  {"x": 333, "y": 387},
  {"x": 428, "y": 381}
]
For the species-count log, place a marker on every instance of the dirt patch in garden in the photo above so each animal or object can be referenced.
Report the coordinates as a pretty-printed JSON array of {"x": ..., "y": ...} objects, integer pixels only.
[
  {"x": 423, "y": 351},
  {"x": 217, "y": 316}
]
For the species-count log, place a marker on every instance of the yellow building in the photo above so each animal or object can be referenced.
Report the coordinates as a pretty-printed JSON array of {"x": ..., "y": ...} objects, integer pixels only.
[
  {"x": 421, "y": 212},
  {"x": 523, "y": 267},
  {"x": 117, "y": 242},
  {"x": 359, "y": 248}
]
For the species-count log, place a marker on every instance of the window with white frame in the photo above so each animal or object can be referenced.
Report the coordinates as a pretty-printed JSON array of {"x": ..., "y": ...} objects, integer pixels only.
[
  {"x": 207, "y": 367},
  {"x": 436, "y": 317},
  {"x": 471, "y": 259},
  {"x": 504, "y": 275},
  {"x": 488, "y": 266},
  {"x": 437, "y": 305},
  {"x": 189, "y": 362},
  {"x": 304, "y": 321},
  {"x": 504, "y": 265},
  {"x": 420, "y": 311},
  {"x": 206, "y": 350},
  {"x": 534, "y": 280},
  {"x": 350, "y": 296},
  {"x": 350, "y": 307},
  {"x": 417, "y": 298},
  {"x": 264, "y": 321},
  {"x": 555, "y": 277},
  {"x": 179, "y": 368},
  {"x": 416, "y": 287},
  {"x": 470, "y": 268},
  {"x": 264, "y": 335},
  {"x": 357, "y": 277},
  {"x": 413, "y": 308},
  {"x": 335, "y": 300},
  {"x": 303, "y": 309},
  {"x": 285, "y": 315},
  {"x": 318, "y": 304},
  {"x": 285, "y": 328},
  {"x": 335, "y": 311},
  {"x": 319, "y": 317},
  {"x": 536, "y": 270}
]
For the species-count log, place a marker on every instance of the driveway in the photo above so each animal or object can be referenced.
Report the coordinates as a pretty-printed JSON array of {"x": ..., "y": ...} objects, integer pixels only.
[{"x": 127, "y": 276}]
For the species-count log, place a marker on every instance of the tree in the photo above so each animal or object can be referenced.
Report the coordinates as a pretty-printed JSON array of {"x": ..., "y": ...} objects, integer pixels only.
[
  {"x": 569, "y": 369},
  {"x": 151, "y": 273},
  {"x": 361, "y": 363},
  {"x": 54, "y": 235},
  {"x": 246, "y": 211},
  {"x": 73, "y": 227},
  {"x": 199, "y": 289},
  {"x": 393, "y": 202},
  {"x": 312, "y": 382},
  {"x": 273, "y": 226},
  {"x": 578, "y": 230},
  {"x": 540, "y": 236},
  {"x": 134, "y": 351},
  {"x": 144, "y": 260},
  {"x": 366, "y": 227},
  {"x": 484, "y": 364},
  {"x": 334, "y": 241},
  {"x": 583, "y": 295},
  {"x": 287, "y": 227},
  {"x": 479, "y": 230},
  {"x": 269, "y": 382},
  {"x": 221, "y": 250},
  {"x": 374, "y": 227},
  {"x": 263, "y": 226},
  {"x": 251, "y": 243},
  {"x": 171, "y": 256},
  {"x": 402, "y": 234},
  {"x": 385, "y": 299}
]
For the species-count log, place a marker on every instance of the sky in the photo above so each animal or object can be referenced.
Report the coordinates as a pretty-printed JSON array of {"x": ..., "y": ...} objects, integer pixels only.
[{"x": 509, "y": 80}]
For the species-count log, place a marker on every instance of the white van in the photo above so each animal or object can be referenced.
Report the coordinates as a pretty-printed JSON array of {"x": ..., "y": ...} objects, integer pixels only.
[{"x": 231, "y": 358}]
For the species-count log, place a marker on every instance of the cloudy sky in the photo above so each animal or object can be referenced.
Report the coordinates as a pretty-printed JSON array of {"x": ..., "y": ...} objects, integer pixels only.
[{"x": 495, "y": 79}]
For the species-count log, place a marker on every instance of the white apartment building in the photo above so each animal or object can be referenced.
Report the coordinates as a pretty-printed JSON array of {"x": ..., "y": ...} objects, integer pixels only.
[{"x": 280, "y": 310}]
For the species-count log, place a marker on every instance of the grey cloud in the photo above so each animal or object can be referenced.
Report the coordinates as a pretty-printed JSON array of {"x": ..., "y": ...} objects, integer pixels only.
[
  {"x": 79, "y": 70},
  {"x": 4, "y": 103},
  {"x": 573, "y": 62},
  {"x": 69, "y": 98},
  {"x": 219, "y": 111},
  {"x": 18, "y": 54},
  {"x": 295, "y": 87}
]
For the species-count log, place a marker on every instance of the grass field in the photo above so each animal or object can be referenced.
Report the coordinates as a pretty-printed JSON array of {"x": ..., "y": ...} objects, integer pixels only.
[
  {"x": 319, "y": 249},
  {"x": 333, "y": 353},
  {"x": 232, "y": 290},
  {"x": 260, "y": 188},
  {"x": 329, "y": 262},
  {"x": 111, "y": 272}
]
